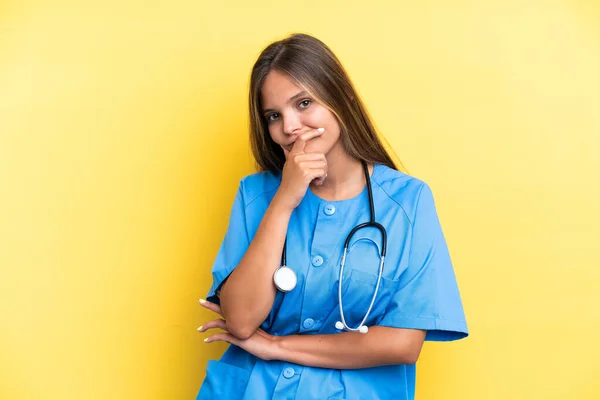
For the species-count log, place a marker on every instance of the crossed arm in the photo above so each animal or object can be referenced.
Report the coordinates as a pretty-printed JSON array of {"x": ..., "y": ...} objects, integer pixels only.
[{"x": 346, "y": 350}]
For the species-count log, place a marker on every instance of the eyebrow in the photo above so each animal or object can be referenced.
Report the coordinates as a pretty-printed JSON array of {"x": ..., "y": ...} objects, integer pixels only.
[{"x": 294, "y": 97}]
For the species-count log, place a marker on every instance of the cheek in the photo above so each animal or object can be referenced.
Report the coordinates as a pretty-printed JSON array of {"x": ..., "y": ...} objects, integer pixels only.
[
  {"x": 275, "y": 133},
  {"x": 327, "y": 119},
  {"x": 322, "y": 144},
  {"x": 332, "y": 132}
]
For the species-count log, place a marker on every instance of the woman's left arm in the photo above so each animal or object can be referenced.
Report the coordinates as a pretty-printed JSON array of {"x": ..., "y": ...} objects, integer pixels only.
[{"x": 347, "y": 350}]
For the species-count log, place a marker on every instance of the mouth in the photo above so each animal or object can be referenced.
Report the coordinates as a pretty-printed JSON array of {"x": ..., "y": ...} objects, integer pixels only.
[{"x": 289, "y": 146}]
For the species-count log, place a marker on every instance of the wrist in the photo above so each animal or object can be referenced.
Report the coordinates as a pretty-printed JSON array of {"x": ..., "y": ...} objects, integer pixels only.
[
  {"x": 278, "y": 353},
  {"x": 280, "y": 204}
]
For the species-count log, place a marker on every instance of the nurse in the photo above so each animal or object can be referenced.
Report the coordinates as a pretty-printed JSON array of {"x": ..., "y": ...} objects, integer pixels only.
[{"x": 312, "y": 139}]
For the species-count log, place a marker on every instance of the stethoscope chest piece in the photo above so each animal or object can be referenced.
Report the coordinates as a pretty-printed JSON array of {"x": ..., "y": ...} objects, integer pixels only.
[{"x": 285, "y": 278}]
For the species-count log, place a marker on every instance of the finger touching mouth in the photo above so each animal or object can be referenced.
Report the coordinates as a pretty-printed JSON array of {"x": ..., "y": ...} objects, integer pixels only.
[{"x": 291, "y": 145}]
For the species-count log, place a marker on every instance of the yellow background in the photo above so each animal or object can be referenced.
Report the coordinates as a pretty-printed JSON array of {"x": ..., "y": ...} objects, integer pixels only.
[{"x": 123, "y": 136}]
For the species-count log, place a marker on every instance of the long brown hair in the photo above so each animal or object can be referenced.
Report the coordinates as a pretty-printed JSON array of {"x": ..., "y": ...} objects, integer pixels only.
[{"x": 311, "y": 64}]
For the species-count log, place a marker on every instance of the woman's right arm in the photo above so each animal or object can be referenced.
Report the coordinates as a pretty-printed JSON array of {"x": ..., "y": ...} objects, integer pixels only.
[{"x": 248, "y": 293}]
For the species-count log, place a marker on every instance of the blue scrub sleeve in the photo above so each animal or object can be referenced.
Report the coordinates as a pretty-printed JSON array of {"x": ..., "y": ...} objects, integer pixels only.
[
  {"x": 428, "y": 296},
  {"x": 233, "y": 247}
]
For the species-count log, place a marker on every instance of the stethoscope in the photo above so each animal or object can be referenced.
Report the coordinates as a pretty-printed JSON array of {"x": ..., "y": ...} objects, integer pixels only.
[{"x": 285, "y": 278}]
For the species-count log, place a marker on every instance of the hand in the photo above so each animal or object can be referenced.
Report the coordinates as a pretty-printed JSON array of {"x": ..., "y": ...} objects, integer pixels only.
[
  {"x": 260, "y": 344},
  {"x": 301, "y": 169}
]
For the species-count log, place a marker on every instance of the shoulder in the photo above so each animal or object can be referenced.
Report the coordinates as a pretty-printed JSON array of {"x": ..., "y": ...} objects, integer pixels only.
[
  {"x": 259, "y": 184},
  {"x": 402, "y": 189}
]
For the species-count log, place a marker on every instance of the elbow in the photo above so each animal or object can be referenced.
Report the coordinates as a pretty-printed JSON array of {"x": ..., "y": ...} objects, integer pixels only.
[
  {"x": 235, "y": 324},
  {"x": 408, "y": 347},
  {"x": 407, "y": 352},
  {"x": 411, "y": 354},
  {"x": 411, "y": 357},
  {"x": 240, "y": 331}
]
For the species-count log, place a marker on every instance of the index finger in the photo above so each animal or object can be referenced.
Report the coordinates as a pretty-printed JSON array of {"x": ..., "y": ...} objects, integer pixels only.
[{"x": 300, "y": 143}]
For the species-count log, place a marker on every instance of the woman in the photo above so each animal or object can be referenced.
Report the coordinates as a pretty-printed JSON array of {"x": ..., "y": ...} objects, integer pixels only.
[{"x": 321, "y": 163}]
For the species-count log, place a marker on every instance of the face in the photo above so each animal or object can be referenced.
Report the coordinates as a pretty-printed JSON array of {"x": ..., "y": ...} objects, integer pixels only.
[{"x": 290, "y": 111}]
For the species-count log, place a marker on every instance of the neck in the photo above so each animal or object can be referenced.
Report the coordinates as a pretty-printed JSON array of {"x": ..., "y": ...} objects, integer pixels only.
[{"x": 345, "y": 177}]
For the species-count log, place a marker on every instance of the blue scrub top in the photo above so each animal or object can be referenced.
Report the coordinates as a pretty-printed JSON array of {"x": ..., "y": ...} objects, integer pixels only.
[{"x": 418, "y": 288}]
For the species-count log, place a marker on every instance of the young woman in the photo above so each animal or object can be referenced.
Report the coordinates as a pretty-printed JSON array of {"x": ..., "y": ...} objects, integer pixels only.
[{"x": 312, "y": 308}]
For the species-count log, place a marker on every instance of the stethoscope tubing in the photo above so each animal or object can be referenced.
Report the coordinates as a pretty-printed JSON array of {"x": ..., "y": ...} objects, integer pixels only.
[{"x": 342, "y": 325}]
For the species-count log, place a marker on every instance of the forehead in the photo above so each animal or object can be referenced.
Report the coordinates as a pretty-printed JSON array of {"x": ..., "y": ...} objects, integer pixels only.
[{"x": 277, "y": 88}]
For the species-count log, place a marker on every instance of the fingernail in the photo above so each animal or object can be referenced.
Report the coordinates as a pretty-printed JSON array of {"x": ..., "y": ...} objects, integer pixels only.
[
  {"x": 202, "y": 301},
  {"x": 321, "y": 129},
  {"x": 199, "y": 329},
  {"x": 205, "y": 340}
]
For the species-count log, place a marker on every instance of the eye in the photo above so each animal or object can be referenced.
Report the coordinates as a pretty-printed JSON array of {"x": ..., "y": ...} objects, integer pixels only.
[
  {"x": 304, "y": 103},
  {"x": 272, "y": 117}
]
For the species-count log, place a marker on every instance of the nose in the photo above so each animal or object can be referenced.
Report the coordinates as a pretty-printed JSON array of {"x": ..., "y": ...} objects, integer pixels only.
[{"x": 291, "y": 123}]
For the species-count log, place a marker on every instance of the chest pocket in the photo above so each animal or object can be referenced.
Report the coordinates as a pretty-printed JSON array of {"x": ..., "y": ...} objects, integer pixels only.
[{"x": 360, "y": 279}]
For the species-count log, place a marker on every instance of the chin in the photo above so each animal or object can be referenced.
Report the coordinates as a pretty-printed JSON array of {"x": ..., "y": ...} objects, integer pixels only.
[
  {"x": 317, "y": 149},
  {"x": 319, "y": 146}
]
